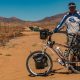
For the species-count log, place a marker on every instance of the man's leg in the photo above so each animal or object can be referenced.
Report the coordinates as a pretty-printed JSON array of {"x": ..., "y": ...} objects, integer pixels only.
[
  {"x": 69, "y": 39},
  {"x": 71, "y": 52}
]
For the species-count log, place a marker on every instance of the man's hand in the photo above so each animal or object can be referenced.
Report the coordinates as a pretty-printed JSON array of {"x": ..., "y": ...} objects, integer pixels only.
[{"x": 55, "y": 30}]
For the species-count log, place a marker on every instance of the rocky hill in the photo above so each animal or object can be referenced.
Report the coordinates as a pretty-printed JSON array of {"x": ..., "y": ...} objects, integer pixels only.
[{"x": 46, "y": 22}]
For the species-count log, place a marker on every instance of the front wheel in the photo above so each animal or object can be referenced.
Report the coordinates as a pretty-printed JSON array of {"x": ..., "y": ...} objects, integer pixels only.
[{"x": 39, "y": 63}]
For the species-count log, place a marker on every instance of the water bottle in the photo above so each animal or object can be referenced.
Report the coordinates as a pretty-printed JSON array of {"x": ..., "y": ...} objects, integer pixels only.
[
  {"x": 61, "y": 62},
  {"x": 58, "y": 49},
  {"x": 60, "y": 52}
]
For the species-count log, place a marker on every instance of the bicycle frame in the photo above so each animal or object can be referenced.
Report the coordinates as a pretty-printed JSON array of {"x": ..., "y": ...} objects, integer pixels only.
[
  {"x": 54, "y": 49},
  {"x": 65, "y": 60}
]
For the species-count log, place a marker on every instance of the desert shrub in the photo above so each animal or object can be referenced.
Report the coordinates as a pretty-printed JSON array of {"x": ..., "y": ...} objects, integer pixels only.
[{"x": 6, "y": 32}]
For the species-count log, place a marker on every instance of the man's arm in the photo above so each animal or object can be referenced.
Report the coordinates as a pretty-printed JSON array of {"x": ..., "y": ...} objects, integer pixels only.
[
  {"x": 60, "y": 24},
  {"x": 78, "y": 15}
]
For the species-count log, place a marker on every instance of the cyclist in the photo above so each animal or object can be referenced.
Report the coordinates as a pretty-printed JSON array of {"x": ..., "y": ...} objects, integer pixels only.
[{"x": 71, "y": 20}]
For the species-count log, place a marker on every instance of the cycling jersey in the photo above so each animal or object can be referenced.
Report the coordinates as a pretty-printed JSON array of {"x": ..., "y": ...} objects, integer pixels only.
[{"x": 72, "y": 21}]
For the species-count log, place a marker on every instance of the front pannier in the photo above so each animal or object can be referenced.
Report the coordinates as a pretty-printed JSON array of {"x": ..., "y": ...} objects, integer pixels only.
[{"x": 40, "y": 61}]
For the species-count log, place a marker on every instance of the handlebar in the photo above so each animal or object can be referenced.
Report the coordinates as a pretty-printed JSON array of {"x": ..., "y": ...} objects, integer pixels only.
[{"x": 50, "y": 33}]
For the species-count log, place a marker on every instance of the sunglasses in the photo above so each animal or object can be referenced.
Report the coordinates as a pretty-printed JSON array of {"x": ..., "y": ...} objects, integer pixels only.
[{"x": 72, "y": 7}]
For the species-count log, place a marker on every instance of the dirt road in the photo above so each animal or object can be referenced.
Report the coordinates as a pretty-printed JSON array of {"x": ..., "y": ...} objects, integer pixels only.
[{"x": 13, "y": 59}]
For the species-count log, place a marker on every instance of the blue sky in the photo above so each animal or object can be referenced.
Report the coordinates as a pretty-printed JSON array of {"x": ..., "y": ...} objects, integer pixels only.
[{"x": 32, "y": 10}]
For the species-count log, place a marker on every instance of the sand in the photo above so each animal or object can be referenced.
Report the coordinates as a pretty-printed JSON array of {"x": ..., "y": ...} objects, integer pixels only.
[{"x": 13, "y": 58}]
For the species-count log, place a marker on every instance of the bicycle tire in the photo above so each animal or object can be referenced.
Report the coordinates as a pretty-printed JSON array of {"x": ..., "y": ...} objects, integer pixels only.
[{"x": 39, "y": 74}]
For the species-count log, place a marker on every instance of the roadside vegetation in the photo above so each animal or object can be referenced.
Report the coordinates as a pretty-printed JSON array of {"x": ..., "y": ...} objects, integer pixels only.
[{"x": 8, "y": 32}]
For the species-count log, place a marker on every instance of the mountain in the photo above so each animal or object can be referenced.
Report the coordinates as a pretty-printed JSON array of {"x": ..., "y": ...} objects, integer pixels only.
[
  {"x": 47, "y": 19},
  {"x": 55, "y": 18},
  {"x": 44, "y": 23},
  {"x": 49, "y": 22},
  {"x": 11, "y": 19}
]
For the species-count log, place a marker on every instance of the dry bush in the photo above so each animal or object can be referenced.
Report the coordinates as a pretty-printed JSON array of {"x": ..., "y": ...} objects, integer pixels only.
[{"x": 7, "y": 32}]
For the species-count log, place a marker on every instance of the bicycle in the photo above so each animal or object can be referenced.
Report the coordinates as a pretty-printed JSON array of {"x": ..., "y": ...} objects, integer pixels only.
[{"x": 42, "y": 61}]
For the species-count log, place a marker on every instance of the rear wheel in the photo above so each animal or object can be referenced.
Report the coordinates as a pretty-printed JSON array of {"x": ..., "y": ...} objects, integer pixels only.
[
  {"x": 30, "y": 64},
  {"x": 75, "y": 64}
]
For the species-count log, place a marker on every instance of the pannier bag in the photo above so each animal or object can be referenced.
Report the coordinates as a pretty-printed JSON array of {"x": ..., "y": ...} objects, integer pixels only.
[
  {"x": 44, "y": 34},
  {"x": 40, "y": 61}
]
